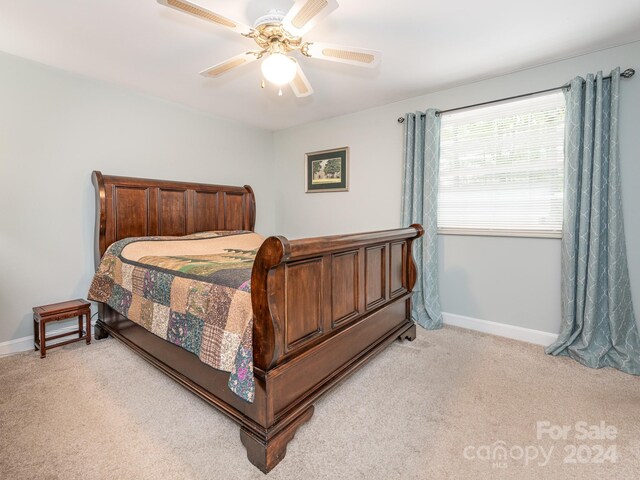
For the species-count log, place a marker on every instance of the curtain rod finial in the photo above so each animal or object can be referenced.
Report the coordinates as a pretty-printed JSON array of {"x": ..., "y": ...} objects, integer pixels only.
[
  {"x": 400, "y": 119},
  {"x": 628, "y": 73}
]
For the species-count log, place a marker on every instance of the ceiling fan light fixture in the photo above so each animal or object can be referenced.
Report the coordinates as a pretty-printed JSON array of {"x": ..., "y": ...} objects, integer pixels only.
[{"x": 279, "y": 69}]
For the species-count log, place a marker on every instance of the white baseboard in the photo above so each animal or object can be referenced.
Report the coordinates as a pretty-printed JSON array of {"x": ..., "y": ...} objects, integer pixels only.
[
  {"x": 494, "y": 328},
  {"x": 500, "y": 329},
  {"x": 26, "y": 343}
]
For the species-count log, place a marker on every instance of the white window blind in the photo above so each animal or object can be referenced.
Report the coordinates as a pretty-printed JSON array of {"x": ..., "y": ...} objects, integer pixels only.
[{"x": 501, "y": 168}]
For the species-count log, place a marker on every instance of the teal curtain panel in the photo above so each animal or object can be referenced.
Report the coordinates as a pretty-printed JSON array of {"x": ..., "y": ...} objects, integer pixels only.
[
  {"x": 598, "y": 324},
  {"x": 419, "y": 205}
]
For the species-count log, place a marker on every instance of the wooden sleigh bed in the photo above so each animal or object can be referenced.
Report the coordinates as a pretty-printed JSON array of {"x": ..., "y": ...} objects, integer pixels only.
[{"x": 322, "y": 307}]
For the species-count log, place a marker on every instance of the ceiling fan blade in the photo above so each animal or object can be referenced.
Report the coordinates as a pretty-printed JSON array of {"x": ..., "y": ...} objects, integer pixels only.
[
  {"x": 305, "y": 14},
  {"x": 339, "y": 53},
  {"x": 205, "y": 14},
  {"x": 229, "y": 64},
  {"x": 300, "y": 85}
]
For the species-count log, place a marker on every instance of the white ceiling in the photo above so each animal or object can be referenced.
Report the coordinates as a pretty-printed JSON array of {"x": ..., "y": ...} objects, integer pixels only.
[{"x": 426, "y": 45}]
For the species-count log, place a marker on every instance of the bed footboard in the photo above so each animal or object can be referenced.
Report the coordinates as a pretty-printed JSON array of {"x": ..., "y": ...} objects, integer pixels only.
[{"x": 323, "y": 307}]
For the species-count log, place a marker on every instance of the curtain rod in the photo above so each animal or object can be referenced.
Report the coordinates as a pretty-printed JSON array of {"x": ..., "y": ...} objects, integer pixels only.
[{"x": 628, "y": 73}]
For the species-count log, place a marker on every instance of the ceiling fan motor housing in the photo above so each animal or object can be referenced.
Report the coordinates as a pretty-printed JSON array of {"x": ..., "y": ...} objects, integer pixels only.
[
  {"x": 271, "y": 35},
  {"x": 273, "y": 16}
]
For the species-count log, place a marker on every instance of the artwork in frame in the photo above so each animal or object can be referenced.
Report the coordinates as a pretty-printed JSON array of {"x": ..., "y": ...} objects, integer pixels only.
[{"x": 327, "y": 171}]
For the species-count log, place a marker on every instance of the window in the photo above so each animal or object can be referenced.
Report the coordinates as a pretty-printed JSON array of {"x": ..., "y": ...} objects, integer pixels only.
[{"x": 501, "y": 168}]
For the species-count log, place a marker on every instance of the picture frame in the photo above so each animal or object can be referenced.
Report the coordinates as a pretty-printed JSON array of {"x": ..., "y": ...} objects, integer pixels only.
[{"x": 327, "y": 171}]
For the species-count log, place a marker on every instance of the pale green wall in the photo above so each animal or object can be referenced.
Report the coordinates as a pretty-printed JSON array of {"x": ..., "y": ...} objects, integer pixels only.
[{"x": 55, "y": 128}]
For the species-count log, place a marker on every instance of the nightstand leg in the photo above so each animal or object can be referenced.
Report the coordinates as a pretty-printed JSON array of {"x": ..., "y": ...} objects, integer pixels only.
[
  {"x": 80, "y": 326},
  {"x": 88, "y": 322},
  {"x": 43, "y": 348},
  {"x": 35, "y": 334}
]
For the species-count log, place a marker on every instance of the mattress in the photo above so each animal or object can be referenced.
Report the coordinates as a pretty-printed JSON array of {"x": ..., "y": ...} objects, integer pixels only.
[{"x": 193, "y": 291}]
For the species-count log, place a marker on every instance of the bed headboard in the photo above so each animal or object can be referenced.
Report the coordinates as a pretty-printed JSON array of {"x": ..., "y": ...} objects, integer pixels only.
[{"x": 138, "y": 207}]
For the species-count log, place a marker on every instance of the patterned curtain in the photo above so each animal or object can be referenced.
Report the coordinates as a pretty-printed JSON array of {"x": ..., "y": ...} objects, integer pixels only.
[
  {"x": 419, "y": 205},
  {"x": 598, "y": 325}
]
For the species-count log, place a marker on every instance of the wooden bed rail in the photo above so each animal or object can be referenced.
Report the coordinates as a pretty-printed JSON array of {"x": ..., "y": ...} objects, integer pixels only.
[{"x": 306, "y": 291}]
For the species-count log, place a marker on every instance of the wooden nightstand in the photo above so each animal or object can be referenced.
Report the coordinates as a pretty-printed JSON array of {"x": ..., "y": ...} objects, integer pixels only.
[{"x": 59, "y": 311}]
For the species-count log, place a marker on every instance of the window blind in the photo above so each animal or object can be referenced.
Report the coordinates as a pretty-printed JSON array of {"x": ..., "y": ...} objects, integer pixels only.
[{"x": 501, "y": 168}]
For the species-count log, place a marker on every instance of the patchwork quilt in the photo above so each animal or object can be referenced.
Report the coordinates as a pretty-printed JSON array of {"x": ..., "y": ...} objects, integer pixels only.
[{"x": 193, "y": 291}]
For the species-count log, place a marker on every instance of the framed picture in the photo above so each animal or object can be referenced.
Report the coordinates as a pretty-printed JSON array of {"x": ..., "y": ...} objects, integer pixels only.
[{"x": 327, "y": 171}]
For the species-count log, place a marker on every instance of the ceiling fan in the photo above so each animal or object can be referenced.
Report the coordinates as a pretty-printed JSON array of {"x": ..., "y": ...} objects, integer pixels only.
[{"x": 278, "y": 34}]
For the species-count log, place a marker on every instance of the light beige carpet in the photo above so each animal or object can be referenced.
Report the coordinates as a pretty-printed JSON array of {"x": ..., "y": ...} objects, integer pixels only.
[{"x": 435, "y": 408}]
